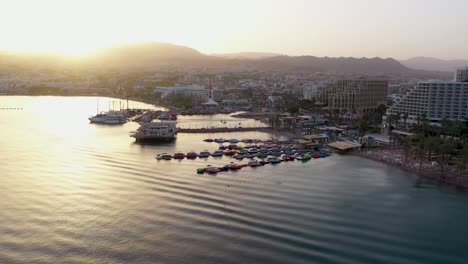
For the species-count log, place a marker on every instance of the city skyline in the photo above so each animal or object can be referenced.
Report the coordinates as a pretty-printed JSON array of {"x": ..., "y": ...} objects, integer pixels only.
[{"x": 395, "y": 29}]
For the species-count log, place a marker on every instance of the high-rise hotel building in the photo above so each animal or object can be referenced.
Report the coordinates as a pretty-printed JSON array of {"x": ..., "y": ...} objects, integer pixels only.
[
  {"x": 355, "y": 96},
  {"x": 461, "y": 75},
  {"x": 436, "y": 99}
]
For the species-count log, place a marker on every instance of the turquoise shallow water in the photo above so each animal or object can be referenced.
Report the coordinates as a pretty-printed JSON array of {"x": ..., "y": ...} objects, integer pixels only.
[{"x": 74, "y": 192}]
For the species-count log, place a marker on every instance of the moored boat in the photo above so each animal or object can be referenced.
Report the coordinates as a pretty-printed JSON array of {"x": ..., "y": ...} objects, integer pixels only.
[
  {"x": 235, "y": 166},
  {"x": 230, "y": 152},
  {"x": 217, "y": 153},
  {"x": 160, "y": 156},
  {"x": 212, "y": 170},
  {"x": 255, "y": 163},
  {"x": 204, "y": 154},
  {"x": 274, "y": 160},
  {"x": 179, "y": 155},
  {"x": 191, "y": 155},
  {"x": 153, "y": 131}
]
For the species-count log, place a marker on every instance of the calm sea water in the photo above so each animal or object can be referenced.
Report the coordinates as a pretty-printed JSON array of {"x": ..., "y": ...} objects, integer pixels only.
[{"x": 74, "y": 192}]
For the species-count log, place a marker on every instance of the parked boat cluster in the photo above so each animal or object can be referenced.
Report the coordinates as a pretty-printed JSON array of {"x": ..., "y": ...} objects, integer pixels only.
[{"x": 257, "y": 155}]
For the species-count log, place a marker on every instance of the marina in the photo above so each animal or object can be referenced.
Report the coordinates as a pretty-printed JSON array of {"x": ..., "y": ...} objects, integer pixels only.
[{"x": 257, "y": 155}]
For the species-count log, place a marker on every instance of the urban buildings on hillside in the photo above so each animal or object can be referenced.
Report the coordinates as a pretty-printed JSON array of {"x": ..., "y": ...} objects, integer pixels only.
[
  {"x": 353, "y": 96},
  {"x": 461, "y": 75},
  {"x": 436, "y": 99}
]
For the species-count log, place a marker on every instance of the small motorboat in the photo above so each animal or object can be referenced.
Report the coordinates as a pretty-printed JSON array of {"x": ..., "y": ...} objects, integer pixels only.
[
  {"x": 255, "y": 163},
  {"x": 204, "y": 154},
  {"x": 253, "y": 151},
  {"x": 230, "y": 152},
  {"x": 239, "y": 157},
  {"x": 250, "y": 156},
  {"x": 217, "y": 153},
  {"x": 274, "y": 160},
  {"x": 212, "y": 170},
  {"x": 160, "y": 156},
  {"x": 235, "y": 166},
  {"x": 224, "y": 168},
  {"x": 179, "y": 155},
  {"x": 191, "y": 155}
]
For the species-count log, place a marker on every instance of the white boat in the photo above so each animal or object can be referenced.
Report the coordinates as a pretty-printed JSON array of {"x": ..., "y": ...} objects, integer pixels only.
[
  {"x": 155, "y": 131},
  {"x": 110, "y": 118}
]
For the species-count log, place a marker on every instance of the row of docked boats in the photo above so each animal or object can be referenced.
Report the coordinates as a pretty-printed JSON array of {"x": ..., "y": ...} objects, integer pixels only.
[
  {"x": 240, "y": 156},
  {"x": 189, "y": 155},
  {"x": 233, "y": 140},
  {"x": 254, "y": 163}
]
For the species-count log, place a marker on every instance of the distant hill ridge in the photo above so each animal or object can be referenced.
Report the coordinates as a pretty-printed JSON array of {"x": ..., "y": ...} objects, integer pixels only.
[
  {"x": 146, "y": 55},
  {"x": 434, "y": 64}
]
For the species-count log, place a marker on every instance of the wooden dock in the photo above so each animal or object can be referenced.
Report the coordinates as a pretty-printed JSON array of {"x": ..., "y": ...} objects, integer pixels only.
[{"x": 223, "y": 129}]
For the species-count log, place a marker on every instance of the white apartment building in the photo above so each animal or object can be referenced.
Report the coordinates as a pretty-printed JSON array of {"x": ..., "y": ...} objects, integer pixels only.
[
  {"x": 461, "y": 75},
  {"x": 436, "y": 99}
]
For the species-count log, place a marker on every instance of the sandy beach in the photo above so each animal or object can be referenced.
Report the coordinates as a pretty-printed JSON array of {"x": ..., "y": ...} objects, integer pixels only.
[{"x": 430, "y": 170}]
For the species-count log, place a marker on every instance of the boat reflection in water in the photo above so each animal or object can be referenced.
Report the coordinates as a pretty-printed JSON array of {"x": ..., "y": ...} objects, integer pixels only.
[{"x": 155, "y": 131}]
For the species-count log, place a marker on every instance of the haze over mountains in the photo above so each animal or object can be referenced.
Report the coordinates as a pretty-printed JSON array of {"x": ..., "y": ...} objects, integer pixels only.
[
  {"x": 150, "y": 55},
  {"x": 434, "y": 64}
]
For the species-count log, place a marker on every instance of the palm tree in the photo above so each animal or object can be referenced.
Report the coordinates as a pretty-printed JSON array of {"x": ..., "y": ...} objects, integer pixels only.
[
  {"x": 462, "y": 161},
  {"x": 420, "y": 151},
  {"x": 405, "y": 117},
  {"x": 406, "y": 142},
  {"x": 362, "y": 129}
]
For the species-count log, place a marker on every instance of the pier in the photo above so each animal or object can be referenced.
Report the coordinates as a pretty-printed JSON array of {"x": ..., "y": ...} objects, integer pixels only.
[{"x": 223, "y": 129}]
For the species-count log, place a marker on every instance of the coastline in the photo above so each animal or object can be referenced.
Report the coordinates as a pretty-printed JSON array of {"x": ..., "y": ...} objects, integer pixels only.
[{"x": 394, "y": 158}]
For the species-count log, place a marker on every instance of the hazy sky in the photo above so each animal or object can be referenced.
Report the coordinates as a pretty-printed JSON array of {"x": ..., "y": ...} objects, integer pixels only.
[{"x": 358, "y": 28}]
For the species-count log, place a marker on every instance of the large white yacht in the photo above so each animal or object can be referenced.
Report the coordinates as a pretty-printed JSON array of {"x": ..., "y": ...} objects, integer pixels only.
[
  {"x": 110, "y": 118},
  {"x": 155, "y": 131}
]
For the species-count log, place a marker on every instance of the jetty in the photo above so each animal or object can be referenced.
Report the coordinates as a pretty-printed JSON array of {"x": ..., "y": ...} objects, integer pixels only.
[{"x": 223, "y": 129}]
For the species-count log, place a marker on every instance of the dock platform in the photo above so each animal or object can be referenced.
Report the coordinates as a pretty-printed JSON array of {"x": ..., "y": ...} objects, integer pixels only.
[{"x": 223, "y": 129}]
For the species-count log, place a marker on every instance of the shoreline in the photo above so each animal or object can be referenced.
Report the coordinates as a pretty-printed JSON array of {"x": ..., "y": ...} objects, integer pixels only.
[{"x": 428, "y": 171}]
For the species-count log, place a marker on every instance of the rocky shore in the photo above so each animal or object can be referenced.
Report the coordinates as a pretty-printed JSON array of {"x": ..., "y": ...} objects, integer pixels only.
[{"x": 429, "y": 170}]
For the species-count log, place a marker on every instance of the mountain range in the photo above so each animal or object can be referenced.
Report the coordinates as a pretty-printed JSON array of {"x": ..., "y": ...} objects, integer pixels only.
[
  {"x": 157, "y": 55},
  {"x": 434, "y": 64}
]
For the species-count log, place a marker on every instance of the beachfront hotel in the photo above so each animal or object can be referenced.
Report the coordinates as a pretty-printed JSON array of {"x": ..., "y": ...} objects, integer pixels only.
[
  {"x": 461, "y": 75},
  {"x": 353, "y": 96},
  {"x": 436, "y": 99}
]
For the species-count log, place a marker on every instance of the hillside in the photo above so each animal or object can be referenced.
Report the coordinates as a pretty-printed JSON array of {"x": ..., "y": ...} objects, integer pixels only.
[
  {"x": 146, "y": 56},
  {"x": 334, "y": 65},
  {"x": 247, "y": 55},
  {"x": 434, "y": 64}
]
